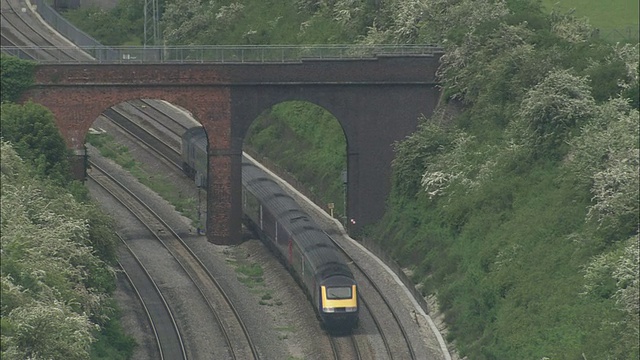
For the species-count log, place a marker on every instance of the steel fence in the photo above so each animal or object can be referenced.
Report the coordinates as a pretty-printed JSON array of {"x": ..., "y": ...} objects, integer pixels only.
[
  {"x": 191, "y": 54},
  {"x": 219, "y": 53}
]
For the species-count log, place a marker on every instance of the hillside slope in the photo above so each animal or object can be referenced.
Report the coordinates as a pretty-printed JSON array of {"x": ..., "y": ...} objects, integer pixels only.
[{"x": 519, "y": 212}]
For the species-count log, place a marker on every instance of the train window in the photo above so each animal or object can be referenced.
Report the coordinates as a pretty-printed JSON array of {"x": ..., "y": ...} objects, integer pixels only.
[{"x": 334, "y": 293}]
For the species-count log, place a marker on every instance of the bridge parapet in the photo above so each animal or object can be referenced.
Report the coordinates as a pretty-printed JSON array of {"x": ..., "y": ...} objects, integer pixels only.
[
  {"x": 415, "y": 69},
  {"x": 377, "y": 101},
  {"x": 224, "y": 53}
]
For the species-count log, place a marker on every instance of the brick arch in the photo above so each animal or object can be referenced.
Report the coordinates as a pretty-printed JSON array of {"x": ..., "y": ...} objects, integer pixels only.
[
  {"x": 377, "y": 101},
  {"x": 75, "y": 110},
  {"x": 372, "y": 119}
]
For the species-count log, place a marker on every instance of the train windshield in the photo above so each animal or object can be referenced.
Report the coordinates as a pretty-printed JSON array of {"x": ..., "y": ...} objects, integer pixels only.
[{"x": 334, "y": 293}]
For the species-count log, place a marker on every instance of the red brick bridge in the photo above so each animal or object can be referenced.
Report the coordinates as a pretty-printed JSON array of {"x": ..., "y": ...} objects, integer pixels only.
[{"x": 376, "y": 100}]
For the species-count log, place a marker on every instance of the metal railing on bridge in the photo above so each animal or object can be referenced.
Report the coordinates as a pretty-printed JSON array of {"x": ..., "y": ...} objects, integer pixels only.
[
  {"x": 193, "y": 54},
  {"x": 220, "y": 53}
]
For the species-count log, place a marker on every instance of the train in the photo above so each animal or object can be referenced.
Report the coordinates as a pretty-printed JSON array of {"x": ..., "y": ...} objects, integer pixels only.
[{"x": 301, "y": 245}]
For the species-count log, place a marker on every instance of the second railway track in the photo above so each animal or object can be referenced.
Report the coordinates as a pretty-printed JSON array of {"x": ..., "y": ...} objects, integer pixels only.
[
  {"x": 161, "y": 320},
  {"x": 238, "y": 341}
]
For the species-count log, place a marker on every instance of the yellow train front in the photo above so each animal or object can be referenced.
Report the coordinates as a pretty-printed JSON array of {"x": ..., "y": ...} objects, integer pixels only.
[{"x": 338, "y": 303}]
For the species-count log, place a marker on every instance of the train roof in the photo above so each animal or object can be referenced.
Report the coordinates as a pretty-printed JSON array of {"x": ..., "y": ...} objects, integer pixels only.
[
  {"x": 196, "y": 132},
  {"x": 268, "y": 191},
  {"x": 327, "y": 261},
  {"x": 324, "y": 258}
]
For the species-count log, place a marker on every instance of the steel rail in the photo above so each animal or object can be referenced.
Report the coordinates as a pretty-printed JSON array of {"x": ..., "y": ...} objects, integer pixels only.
[
  {"x": 146, "y": 309},
  {"x": 164, "y": 338},
  {"x": 384, "y": 299},
  {"x": 195, "y": 258}
]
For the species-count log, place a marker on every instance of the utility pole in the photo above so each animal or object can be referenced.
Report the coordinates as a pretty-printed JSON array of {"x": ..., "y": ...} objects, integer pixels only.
[{"x": 151, "y": 19}]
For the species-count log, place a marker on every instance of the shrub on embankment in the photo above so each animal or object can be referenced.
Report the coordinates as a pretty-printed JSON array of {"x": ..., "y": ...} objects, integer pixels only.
[
  {"x": 520, "y": 210},
  {"x": 57, "y": 248}
]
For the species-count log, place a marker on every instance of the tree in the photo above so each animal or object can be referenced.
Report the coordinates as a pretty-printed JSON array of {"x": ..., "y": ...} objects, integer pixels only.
[
  {"x": 16, "y": 76},
  {"x": 195, "y": 22},
  {"x": 32, "y": 131},
  {"x": 47, "y": 331},
  {"x": 606, "y": 155}
]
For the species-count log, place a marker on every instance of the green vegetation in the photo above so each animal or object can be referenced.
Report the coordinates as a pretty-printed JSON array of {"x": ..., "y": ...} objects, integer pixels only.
[
  {"x": 286, "y": 131},
  {"x": 521, "y": 213},
  {"x": 57, "y": 275},
  {"x": 109, "y": 148},
  {"x": 34, "y": 135},
  {"x": 251, "y": 271},
  {"x": 122, "y": 25},
  {"x": 252, "y": 276},
  {"x": 616, "y": 20},
  {"x": 16, "y": 76},
  {"x": 58, "y": 248}
]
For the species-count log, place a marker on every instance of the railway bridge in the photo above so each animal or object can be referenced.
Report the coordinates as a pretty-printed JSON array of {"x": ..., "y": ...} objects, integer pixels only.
[{"x": 377, "y": 99}]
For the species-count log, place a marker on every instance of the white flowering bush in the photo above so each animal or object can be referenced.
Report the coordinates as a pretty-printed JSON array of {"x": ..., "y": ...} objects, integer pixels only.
[
  {"x": 629, "y": 55},
  {"x": 621, "y": 268},
  {"x": 442, "y": 17},
  {"x": 430, "y": 21},
  {"x": 615, "y": 189},
  {"x": 47, "y": 330},
  {"x": 570, "y": 28},
  {"x": 467, "y": 163},
  {"x": 551, "y": 110},
  {"x": 46, "y": 268},
  {"x": 195, "y": 21},
  {"x": 344, "y": 11},
  {"x": 606, "y": 155},
  {"x": 505, "y": 56}
]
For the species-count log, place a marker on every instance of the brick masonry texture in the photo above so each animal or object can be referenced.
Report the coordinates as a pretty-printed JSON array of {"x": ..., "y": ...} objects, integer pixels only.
[{"x": 377, "y": 102}]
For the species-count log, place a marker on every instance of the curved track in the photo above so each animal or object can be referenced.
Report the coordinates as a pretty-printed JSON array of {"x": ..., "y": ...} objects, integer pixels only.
[
  {"x": 22, "y": 28},
  {"x": 393, "y": 334},
  {"x": 161, "y": 319},
  {"x": 231, "y": 327}
]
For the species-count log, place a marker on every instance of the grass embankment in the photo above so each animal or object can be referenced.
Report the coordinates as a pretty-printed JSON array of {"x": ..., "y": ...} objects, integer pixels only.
[
  {"x": 616, "y": 20},
  {"x": 508, "y": 273},
  {"x": 111, "y": 149},
  {"x": 294, "y": 128}
]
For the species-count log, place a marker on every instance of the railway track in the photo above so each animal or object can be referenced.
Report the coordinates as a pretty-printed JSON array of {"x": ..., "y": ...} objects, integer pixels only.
[
  {"x": 230, "y": 326},
  {"x": 343, "y": 347},
  {"x": 21, "y": 28},
  {"x": 155, "y": 140},
  {"x": 161, "y": 319},
  {"x": 392, "y": 332}
]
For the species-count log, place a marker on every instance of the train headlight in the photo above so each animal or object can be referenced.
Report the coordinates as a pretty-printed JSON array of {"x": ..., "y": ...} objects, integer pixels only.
[
  {"x": 328, "y": 309},
  {"x": 351, "y": 309}
]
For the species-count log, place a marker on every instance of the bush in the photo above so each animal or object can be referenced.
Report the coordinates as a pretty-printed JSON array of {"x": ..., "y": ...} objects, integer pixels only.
[
  {"x": 32, "y": 131},
  {"x": 16, "y": 76}
]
